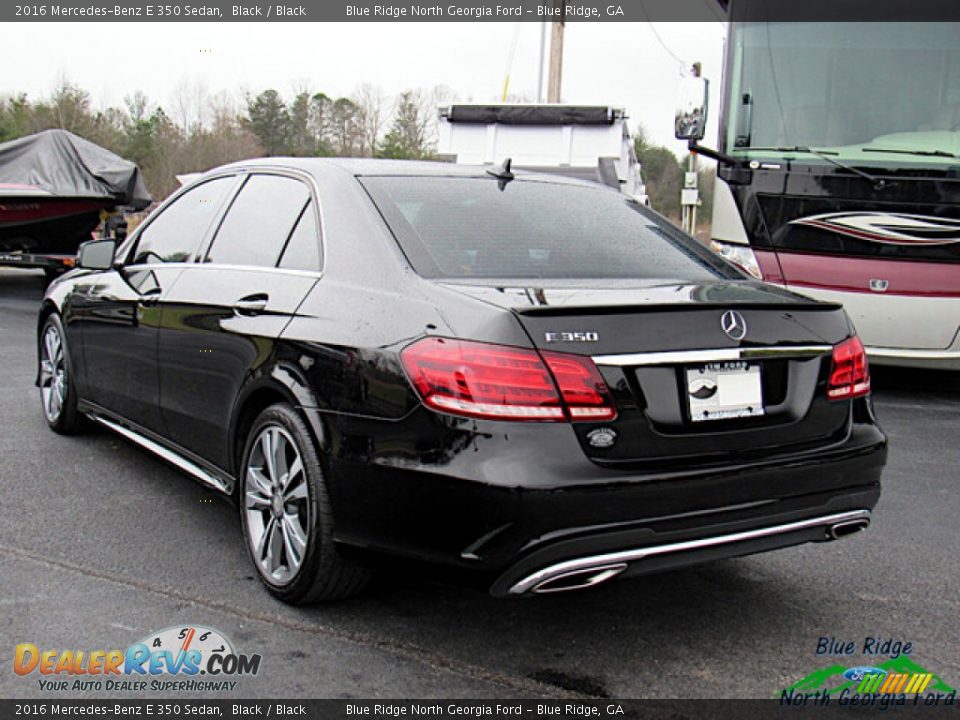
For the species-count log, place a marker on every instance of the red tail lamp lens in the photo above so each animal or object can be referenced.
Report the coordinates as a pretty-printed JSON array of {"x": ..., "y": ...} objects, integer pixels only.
[
  {"x": 505, "y": 383},
  {"x": 581, "y": 385},
  {"x": 849, "y": 373}
]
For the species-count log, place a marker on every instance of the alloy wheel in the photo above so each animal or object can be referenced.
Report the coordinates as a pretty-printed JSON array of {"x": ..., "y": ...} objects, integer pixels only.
[
  {"x": 276, "y": 503},
  {"x": 53, "y": 374}
]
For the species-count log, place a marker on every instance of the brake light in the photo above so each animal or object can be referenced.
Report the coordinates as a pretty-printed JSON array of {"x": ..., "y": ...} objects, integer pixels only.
[
  {"x": 583, "y": 389},
  {"x": 849, "y": 372},
  {"x": 505, "y": 383}
]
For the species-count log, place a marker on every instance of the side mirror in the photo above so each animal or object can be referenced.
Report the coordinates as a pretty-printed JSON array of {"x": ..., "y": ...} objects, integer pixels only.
[
  {"x": 690, "y": 120},
  {"x": 97, "y": 254}
]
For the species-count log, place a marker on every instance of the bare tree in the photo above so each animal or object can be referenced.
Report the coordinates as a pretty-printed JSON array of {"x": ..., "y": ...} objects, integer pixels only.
[
  {"x": 319, "y": 118},
  {"x": 344, "y": 128},
  {"x": 189, "y": 103},
  {"x": 437, "y": 96},
  {"x": 371, "y": 116}
]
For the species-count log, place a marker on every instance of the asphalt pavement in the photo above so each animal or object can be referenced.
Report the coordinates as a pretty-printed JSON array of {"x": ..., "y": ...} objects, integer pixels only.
[{"x": 102, "y": 544}]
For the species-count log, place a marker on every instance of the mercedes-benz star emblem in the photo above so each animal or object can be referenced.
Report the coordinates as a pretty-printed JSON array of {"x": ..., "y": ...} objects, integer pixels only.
[{"x": 733, "y": 325}]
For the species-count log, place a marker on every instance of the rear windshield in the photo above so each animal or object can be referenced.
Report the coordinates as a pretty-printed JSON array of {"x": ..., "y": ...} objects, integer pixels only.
[{"x": 469, "y": 227}]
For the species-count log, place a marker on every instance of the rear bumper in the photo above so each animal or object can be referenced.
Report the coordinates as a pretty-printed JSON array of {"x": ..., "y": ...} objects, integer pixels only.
[
  {"x": 591, "y": 568},
  {"x": 504, "y": 500}
]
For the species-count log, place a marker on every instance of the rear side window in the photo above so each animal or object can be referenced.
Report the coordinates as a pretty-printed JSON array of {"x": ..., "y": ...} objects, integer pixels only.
[
  {"x": 259, "y": 222},
  {"x": 303, "y": 247},
  {"x": 176, "y": 233},
  {"x": 470, "y": 227}
]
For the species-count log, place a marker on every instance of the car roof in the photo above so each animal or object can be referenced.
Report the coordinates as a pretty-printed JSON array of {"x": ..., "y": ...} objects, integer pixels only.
[{"x": 359, "y": 167}]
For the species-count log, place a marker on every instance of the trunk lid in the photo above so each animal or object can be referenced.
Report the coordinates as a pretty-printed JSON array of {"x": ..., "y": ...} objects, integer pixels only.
[{"x": 655, "y": 343}]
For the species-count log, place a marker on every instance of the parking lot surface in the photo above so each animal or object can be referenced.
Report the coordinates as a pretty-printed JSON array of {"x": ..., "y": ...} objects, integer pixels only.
[{"x": 101, "y": 544}]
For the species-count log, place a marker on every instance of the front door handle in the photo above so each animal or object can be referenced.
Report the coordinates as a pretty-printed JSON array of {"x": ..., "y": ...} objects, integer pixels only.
[{"x": 251, "y": 304}]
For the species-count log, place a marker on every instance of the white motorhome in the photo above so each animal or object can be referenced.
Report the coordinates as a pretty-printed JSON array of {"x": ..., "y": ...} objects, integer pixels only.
[{"x": 585, "y": 141}]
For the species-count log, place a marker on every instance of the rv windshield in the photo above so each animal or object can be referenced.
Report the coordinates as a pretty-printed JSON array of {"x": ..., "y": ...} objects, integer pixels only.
[{"x": 856, "y": 89}]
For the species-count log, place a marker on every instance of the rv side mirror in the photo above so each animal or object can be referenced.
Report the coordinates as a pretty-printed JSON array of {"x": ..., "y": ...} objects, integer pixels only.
[
  {"x": 97, "y": 254},
  {"x": 690, "y": 120}
]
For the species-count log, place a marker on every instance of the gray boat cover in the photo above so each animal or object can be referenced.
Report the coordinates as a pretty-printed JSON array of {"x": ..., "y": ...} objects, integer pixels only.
[{"x": 66, "y": 165}]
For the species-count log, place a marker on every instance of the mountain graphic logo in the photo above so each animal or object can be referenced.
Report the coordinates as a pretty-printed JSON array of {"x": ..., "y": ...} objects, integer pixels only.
[{"x": 896, "y": 675}]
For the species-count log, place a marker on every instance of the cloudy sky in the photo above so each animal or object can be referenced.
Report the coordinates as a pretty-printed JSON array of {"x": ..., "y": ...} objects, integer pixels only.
[{"x": 623, "y": 64}]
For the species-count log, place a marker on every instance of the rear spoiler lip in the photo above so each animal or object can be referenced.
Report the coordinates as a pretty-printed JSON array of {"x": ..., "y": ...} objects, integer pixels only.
[{"x": 559, "y": 310}]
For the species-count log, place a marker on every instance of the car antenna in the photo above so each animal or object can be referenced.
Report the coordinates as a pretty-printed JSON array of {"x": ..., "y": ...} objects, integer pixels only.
[{"x": 502, "y": 173}]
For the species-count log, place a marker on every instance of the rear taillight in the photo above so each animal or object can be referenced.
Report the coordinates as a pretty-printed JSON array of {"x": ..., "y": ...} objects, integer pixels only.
[
  {"x": 849, "y": 373},
  {"x": 506, "y": 383},
  {"x": 584, "y": 391}
]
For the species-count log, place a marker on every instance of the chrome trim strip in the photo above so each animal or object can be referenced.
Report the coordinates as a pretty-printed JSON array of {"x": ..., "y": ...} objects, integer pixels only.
[
  {"x": 169, "y": 455},
  {"x": 682, "y": 357},
  {"x": 218, "y": 266},
  {"x": 628, "y": 556}
]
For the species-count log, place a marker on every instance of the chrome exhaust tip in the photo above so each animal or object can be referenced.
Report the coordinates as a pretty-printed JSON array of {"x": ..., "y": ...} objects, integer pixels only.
[
  {"x": 578, "y": 579},
  {"x": 843, "y": 529}
]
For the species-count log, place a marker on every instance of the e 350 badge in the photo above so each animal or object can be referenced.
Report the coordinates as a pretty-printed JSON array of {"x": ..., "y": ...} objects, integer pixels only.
[
  {"x": 157, "y": 662},
  {"x": 577, "y": 336}
]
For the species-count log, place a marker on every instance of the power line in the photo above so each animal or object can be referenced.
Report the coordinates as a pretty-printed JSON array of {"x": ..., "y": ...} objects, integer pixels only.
[{"x": 672, "y": 54}]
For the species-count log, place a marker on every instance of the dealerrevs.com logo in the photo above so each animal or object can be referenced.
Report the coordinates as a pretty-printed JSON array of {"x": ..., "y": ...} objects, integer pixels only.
[{"x": 183, "y": 658}]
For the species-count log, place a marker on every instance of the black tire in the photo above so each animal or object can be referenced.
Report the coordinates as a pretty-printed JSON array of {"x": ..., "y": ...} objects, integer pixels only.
[
  {"x": 323, "y": 574},
  {"x": 55, "y": 375},
  {"x": 53, "y": 273}
]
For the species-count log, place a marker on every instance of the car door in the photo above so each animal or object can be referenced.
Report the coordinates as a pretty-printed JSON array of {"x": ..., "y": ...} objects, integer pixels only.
[
  {"x": 119, "y": 311},
  {"x": 221, "y": 319}
]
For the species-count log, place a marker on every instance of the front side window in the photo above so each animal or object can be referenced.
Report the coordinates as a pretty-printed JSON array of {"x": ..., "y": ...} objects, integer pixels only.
[
  {"x": 176, "y": 233},
  {"x": 469, "y": 227},
  {"x": 259, "y": 222}
]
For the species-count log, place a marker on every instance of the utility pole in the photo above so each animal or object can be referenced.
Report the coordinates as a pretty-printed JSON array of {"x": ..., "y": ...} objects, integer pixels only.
[
  {"x": 543, "y": 56},
  {"x": 690, "y": 194},
  {"x": 556, "y": 54}
]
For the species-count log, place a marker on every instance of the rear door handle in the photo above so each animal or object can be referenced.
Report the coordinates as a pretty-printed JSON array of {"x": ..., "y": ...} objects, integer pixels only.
[
  {"x": 151, "y": 297},
  {"x": 251, "y": 304}
]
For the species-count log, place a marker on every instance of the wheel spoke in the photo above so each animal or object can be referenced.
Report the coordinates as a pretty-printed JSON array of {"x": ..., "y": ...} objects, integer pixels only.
[
  {"x": 275, "y": 548},
  {"x": 257, "y": 501},
  {"x": 292, "y": 550},
  {"x": 280, "y": 458},
  {"x": 56, "y": 398},
  {"x": 51, "y": 399},
  {"x": 296, "y": 489},
  {"x": 46, "y": 372},
  {"x": 266, "y": 447},
  {"x": 49, "y": 341},
  {"x": 264, "y": 541},
  {"x": 258, "y": 480},
  {"x": 296, "y": 468},
  {"x": 291, "y": 521}
]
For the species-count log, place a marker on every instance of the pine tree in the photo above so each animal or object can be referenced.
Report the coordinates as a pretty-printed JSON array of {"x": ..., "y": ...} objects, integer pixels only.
[
  {"x": 406, "y": 139},
  {"x": 269, "y": 120}
]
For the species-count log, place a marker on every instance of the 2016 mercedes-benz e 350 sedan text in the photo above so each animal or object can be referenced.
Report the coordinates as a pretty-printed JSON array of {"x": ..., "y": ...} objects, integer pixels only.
[{"x": 531, "y": 382}]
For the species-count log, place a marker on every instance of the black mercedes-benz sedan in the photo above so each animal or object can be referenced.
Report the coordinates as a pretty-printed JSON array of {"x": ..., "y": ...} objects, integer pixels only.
[{"x": 530, "y": 382}]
